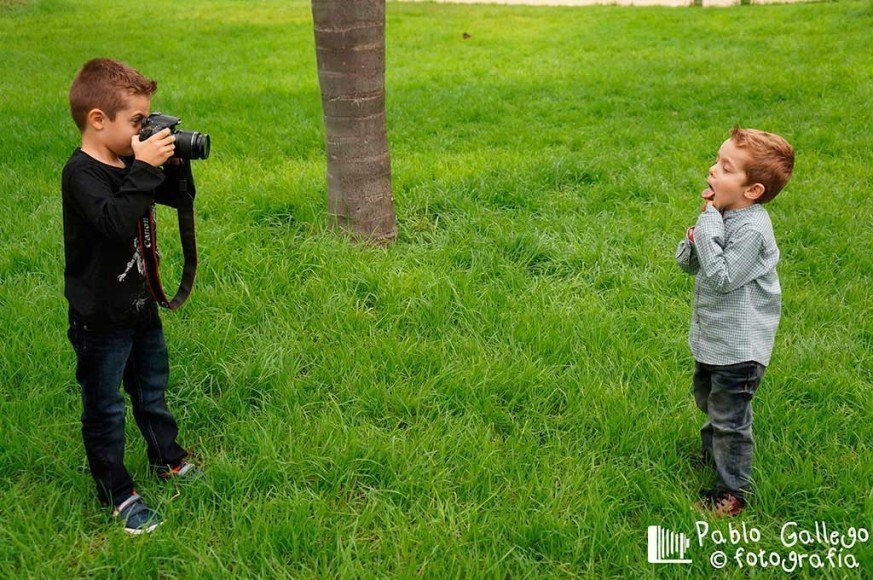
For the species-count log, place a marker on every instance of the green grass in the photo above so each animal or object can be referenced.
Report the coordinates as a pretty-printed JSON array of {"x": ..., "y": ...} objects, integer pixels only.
[{"x": 506, "y": 390}]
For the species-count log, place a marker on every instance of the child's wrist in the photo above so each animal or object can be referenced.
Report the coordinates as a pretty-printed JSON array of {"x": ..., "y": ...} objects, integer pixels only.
[{"x": 146, "y": 163}]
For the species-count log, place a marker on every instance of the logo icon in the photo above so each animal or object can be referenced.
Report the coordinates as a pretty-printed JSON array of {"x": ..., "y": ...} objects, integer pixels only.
[{"x": 666, "y": 547}]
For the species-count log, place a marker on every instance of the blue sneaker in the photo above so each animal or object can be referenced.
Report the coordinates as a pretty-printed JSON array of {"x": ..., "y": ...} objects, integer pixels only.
[{"x": 138, "y": 518}]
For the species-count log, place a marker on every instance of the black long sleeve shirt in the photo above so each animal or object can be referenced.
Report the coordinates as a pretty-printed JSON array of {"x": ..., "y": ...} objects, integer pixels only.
[{"x": 104, "y": 275}]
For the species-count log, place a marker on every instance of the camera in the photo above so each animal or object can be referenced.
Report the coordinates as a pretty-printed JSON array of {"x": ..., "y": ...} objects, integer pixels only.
[{"x": 189, "y": 144}]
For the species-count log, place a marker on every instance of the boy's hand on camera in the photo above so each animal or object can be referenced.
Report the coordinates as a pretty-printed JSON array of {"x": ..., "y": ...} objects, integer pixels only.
[{"x": 156, "y": 149}]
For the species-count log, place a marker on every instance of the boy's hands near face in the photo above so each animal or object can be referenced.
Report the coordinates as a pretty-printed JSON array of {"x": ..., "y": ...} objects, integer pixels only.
[{"x": 156, "y": 149}]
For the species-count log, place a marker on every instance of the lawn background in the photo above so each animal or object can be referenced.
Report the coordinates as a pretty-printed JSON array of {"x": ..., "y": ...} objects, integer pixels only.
[{"x": 506, "y": 390}]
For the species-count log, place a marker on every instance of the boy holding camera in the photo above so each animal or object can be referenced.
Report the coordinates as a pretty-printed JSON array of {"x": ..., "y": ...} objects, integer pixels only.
[
  {"x": 737, "y": 305},
  {"x": 108, "y": 184}
]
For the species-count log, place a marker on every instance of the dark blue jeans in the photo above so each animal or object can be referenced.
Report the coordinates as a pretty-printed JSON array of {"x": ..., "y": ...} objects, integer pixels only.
[
  {"x": 725, "y": 394},
  {"x": 138, "y": 358}
]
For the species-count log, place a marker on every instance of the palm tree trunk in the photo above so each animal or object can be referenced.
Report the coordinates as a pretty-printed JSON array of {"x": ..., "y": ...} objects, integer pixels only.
[{"x": 350, "y": 48}]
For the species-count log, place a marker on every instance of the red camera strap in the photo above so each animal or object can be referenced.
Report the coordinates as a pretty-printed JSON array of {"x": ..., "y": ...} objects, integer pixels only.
[{"x": 148, "y": 244}]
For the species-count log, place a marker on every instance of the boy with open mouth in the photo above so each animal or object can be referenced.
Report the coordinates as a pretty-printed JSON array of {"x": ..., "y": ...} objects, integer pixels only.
[{"x": 737, "y": 303}]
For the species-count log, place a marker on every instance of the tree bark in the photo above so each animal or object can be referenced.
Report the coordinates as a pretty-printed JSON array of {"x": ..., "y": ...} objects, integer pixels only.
[{"x": 350, "y": 48}]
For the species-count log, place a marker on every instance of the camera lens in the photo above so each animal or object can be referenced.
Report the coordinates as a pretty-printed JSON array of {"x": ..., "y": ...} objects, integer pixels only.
[{"x": 192, "y": 145}]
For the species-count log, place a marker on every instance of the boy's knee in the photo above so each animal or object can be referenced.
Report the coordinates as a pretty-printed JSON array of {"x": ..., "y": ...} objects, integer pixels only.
[
  {"x": 104, "y": 410},
  {"x": 103, "y": 431},
  {"x": 731, "y": 428}
]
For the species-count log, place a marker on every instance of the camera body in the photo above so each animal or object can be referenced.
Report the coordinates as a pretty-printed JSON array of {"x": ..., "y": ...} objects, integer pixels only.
[{"x": 189, "y": 144}]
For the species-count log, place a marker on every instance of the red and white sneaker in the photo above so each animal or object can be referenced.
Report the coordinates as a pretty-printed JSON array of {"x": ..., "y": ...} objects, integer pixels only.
[
  {"x": 184, "y": 471},
  {"x": 721, "y": 504}
]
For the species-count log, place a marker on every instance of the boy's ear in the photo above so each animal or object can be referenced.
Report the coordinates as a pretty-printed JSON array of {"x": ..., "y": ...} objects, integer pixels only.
[
  {"x": 754, "y": 191},
  {"x": 96, "y": 119}
]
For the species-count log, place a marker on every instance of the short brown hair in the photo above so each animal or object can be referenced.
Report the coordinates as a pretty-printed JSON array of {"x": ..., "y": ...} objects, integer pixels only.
[
  {"x": 103, "y": 83},
  {"x": 771, "y": 160}
]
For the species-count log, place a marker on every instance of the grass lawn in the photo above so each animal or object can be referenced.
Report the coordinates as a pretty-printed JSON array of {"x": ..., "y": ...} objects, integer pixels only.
[{"x": 506, "y": 391}]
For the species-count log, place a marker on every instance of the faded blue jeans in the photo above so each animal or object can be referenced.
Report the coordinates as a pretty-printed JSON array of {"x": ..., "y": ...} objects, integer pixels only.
[
  {"x": 724, "y": 393},
  {"x": 138, "y": 358}
]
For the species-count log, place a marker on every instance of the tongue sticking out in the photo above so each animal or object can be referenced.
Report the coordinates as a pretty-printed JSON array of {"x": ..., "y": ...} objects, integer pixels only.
[{"x": 708, "y": 194}]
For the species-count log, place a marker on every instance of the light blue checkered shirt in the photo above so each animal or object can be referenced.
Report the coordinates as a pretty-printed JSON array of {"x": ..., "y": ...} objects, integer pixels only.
[{"x": 737, "y": 298}]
